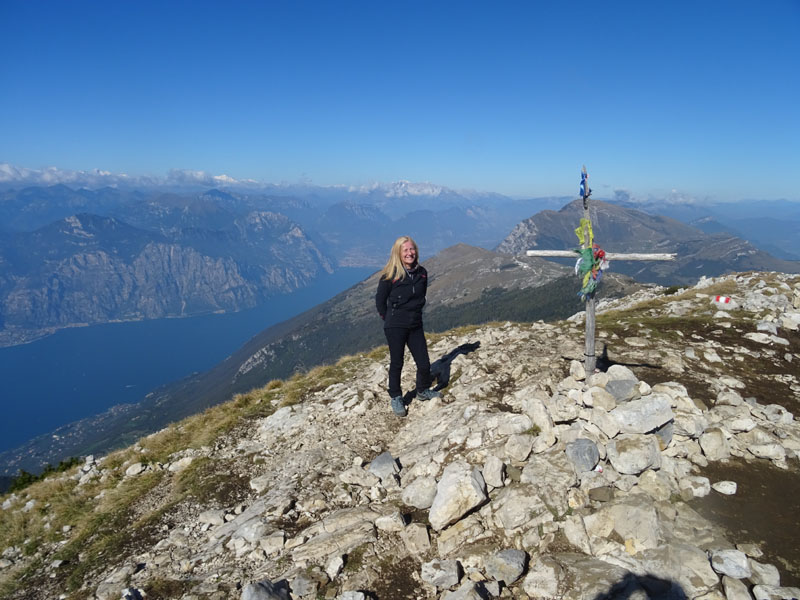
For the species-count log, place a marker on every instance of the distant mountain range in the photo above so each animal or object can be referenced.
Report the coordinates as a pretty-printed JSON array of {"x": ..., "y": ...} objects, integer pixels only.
[
  {"x": 74, "y": 257},
  {"x": 86, "y": 269},
  {"x": 621, "y": 229},
  {"x": 772, "y": 225}
]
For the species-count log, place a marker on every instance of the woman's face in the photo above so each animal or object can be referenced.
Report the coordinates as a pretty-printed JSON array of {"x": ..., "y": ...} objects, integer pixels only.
[{"x": 408, "y": 254}]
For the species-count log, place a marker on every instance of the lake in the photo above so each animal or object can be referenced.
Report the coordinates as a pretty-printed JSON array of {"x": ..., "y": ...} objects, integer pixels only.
[{"x": 82, "y": 371}]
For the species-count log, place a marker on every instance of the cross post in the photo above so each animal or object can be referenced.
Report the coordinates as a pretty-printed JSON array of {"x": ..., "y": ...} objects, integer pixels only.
[{"x": 590, "y": 361}]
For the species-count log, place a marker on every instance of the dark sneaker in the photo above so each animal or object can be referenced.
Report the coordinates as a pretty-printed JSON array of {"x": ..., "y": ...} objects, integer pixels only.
[
  {"x": 399, "y": 407},
  {"x": 428, "y": 394}
]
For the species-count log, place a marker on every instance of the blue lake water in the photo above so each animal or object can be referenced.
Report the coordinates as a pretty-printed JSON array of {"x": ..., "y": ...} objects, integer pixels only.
[{"x": 82, "y": 371}]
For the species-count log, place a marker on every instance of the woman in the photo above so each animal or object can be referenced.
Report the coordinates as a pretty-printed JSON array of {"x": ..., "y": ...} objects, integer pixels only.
[{"x": 400, "y": 298}]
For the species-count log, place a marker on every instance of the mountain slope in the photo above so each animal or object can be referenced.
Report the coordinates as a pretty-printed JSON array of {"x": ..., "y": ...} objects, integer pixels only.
[
  {"x": 525, "y": 480},
  {"x": 619, "y": 229}
]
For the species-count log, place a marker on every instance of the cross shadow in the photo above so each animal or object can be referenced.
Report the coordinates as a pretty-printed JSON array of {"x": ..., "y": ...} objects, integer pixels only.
[
  {"x": 440, "y": 369},
  {"x": 603, "y": 362},
  {"x": 654, "y": 588}
]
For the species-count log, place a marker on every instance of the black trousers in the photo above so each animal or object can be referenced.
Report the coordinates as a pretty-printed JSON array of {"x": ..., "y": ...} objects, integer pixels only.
[{"x": 398, "y": 338}]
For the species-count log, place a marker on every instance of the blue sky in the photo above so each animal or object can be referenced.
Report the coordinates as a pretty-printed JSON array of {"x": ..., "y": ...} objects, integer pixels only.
[{"x": 512, "y": 97}]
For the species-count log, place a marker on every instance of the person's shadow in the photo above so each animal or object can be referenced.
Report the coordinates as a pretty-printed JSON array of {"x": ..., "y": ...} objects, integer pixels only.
[
  {"x": 440, "y": 369},
  {"x": 654, "y": 588}
]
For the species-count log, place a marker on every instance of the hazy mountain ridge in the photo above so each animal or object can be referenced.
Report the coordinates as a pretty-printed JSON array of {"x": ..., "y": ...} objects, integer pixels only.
[
  {"x": 620, "y": 229},
  {"x": 772, "y": 225}
]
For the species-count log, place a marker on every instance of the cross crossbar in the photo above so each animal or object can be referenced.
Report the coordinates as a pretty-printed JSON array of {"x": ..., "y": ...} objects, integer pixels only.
[{"x": 609, "y": 255}]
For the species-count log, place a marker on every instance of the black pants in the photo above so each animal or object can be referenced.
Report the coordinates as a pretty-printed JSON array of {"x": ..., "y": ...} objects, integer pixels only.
[{"x": 398, "y": 338}]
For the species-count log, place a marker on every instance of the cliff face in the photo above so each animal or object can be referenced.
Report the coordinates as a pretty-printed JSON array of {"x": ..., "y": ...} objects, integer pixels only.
[
  {"x": 88, "y": 269},
  {"x": 528, "y": 478}
]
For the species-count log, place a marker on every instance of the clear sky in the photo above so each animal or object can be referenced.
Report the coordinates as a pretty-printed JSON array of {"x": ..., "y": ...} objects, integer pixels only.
[{"x": 699, "y": 96}]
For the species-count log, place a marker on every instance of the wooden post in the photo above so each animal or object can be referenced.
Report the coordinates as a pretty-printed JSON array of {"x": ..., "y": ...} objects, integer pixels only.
[
  {"x": 588, "y": 353},
  {"x": 589, "y": 360}
]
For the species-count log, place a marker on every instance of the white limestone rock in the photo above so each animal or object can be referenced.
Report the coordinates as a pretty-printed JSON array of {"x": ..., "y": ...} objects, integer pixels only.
[
  {"x": 633, "y": 453},
  {"x": 441, "y": 573},
  {"x": 420, "y": 492},
  {"x": 460, "y": 489},
  {"x": 730, "y": 562},
  {"x": 643, "y": 415}
]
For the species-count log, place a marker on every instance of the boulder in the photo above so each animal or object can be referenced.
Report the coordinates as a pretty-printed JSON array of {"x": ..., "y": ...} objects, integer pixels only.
[
  {"x": 633, "y": 453},
  {"x": 460, "y": 489},
  {"x": 644, "y": 415},
  {"x": 506, "y": 566}
]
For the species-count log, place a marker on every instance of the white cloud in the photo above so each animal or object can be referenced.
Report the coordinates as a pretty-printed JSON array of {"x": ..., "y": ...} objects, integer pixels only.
[{"x": 11, "y": 174}]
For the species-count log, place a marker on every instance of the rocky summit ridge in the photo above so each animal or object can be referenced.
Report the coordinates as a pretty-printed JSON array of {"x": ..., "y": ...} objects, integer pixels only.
[{"x": 527, "y": 479}]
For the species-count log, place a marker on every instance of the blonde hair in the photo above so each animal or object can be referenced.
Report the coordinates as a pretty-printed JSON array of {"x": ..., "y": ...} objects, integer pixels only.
[{"x": 394, "y": 268}]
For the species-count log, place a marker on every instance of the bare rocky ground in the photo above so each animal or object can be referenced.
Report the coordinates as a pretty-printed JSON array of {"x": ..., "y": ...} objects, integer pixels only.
[{"x": 525, "y": 480}]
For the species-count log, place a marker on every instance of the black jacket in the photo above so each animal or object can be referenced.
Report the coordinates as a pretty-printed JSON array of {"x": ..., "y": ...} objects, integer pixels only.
[{"x": 400, "y": 302}]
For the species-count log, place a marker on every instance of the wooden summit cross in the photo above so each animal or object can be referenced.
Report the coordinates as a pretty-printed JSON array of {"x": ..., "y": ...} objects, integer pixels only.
[{"x": 585, "y": 224}]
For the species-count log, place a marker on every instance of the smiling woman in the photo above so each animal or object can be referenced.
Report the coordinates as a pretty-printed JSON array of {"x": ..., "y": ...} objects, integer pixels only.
[{"x": 400, "y": 298}]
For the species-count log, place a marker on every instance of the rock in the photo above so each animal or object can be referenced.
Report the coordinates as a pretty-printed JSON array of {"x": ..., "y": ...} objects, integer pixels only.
[
  {"x": 584, "y": 454},
  {"x": 643, "y": 415},
  {"x": 494, "y": 472},
  {"x": 577, "y": 370},
  {"x": 385, "y": 467},
  {"x": 260, "y": 483},
  {"x": 562, "y": 409},
  {"x": 764, "y": 574},
  {"x": 506, "y": 565},
  {"x": 304, "y": 586},
  {"x": 135, "y": 469},
  {"x": 416, "y": 539},
  {"x": 544, "y": 578},
  {"x": 734, "y": 589},
  {"x": 358, "y": 476},
  {"x": 769, "y": 592},
  {"x": 391, "y": 523},
  {"x": 272, "y": 543},
  {"x": 714, "y": 444},
  {"x": 420, "y": 492},
  {"x": 465, "y": 531},
  {"x": 695, "y": 486},
  {"x": 352, "y": 596},
  {"x": 212, "y": 517},
  {"x": 460, "y": 489},
  {"x": 633, "y": 453},
  {"x": 441, "y": 573},
  {"x": 732, "y": 563},
  {"x": 575, "y": 532},
  {"x": 180, "y": 465},
  {"x": 598, "y": 397},
  {"x": 469, "y": 590},
  {"x": 623, "y": 390},
  {"x": 768, "y": 451},
  {"x": 520, "y": 505},
  {"x": 683, "y": 563},
  {"x": 656, "y": 484},
  {"x": 266, "y": 590},
  {"x": 334, "y": 567},
  {"x": 519, "y": 447},
  {"x": 727, "y": 488}
]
